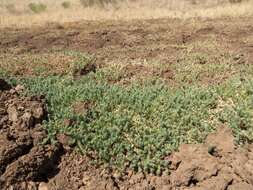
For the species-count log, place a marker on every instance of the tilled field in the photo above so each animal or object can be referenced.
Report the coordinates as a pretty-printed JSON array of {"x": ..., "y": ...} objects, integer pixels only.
[
  {"x": 212, "y": 151},
  {"x": 157, "y": 38}
]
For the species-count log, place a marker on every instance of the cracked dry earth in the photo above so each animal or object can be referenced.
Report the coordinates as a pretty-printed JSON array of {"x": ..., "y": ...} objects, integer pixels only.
[{"x": 26, "y": 164}]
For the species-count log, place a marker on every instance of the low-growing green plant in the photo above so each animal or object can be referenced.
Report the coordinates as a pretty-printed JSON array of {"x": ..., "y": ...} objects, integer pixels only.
[
  {"x": 66, "y": 4},
  {"x": 101, "y": 3},
  {"x": 37, "y": 7},
  {"x": 236, "y": 1},
  {"x": 137, "y": 126}
]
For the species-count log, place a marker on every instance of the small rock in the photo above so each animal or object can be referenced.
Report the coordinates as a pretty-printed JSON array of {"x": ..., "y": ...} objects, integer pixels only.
[
  {"x": 117, "y": 175},
  {"x": 43, "y": 186},
  {"x": 19, "y": 88},
  {"x": 21, "y": 108},
  {"x": 13, "y": 113},
  {"x": 12, "y": 91},
  {"x": 38, "y": 112},
  {"x": 27, "y": 120},
  {"x": 223, "y": 140},
  {"x": 63, "y": 139}
]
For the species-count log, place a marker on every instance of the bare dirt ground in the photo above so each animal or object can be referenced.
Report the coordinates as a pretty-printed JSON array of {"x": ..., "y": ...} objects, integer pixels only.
[
  {"x": 167, "y": 41},
  {"x": 149, "y": 39},
  {"x": 25, "y": 163}
]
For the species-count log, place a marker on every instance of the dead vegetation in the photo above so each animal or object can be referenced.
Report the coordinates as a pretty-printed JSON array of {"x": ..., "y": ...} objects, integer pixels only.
[{"x": 61, "y": 11}]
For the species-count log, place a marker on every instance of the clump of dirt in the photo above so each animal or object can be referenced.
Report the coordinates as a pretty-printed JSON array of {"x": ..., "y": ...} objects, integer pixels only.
[
  {"x": 24, "y": 161},
  {"x": 4, "y": 85},
  {"x": 217, "y": 164},
  {"x": 77, "y": 73}
]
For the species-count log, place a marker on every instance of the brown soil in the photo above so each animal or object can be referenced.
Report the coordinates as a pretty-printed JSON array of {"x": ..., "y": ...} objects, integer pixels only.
[
  {"x": 131, "y": 71},
  {"x": 157, "y": 39},
  {"x": 25, "y": 163},
  {"x": 23, "y": 160},
  {"x": 140, "y": 72},
  {"x": 82, "y": 108}
]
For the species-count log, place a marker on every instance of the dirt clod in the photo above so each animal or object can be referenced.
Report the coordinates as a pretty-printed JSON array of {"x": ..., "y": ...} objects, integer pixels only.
[
  {"x": 4, "y": 85},
  {"x": 77, "y": 73},
  {"x": 223, "y": 140},
  {"x": 195, "y": 168},
  {"x": 43, "y": 186},
  {"x": 32, "y": 166},
  {"x": 23, "y": 159}
]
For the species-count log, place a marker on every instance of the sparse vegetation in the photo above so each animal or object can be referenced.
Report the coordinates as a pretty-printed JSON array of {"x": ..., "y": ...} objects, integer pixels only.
[
  {"x": 235, "y": 1},
  {"x": 66, "y": 4},
  {"x": 122, "y": 125},
  {"x": 37, "y": 7},
  {"x": 101, "y": 3},
  {"x": 121, "y": 10}
]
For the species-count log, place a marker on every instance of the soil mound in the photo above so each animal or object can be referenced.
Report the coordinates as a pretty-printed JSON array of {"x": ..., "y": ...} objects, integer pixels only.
[
  {"x": 23, "y": 160},
  {"x": 25, "y": 163},
  {"x": 216, "y": 165}
]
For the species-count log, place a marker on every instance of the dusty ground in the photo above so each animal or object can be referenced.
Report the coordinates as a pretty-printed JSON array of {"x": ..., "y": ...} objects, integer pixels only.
[
  {"x": 25, "y": 163},
  {"x": 174, "y": 45},
  {"x": 149, "y": 39},
  {"x": 28, "y": 164}
]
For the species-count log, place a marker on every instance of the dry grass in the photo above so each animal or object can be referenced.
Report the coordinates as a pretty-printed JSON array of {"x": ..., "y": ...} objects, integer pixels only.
[{"x": 141, "y": 9}]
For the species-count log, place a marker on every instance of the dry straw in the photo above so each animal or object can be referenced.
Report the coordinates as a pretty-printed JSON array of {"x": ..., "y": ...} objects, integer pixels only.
[{"x": 123, "y": 10}]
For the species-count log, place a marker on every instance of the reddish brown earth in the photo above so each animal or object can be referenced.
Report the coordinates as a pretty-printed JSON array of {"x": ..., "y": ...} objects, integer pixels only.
[
  {"x": 168, "y": 42},
  {"x": 25, "y": 163},
  {"x": 159, "y": 39}
]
